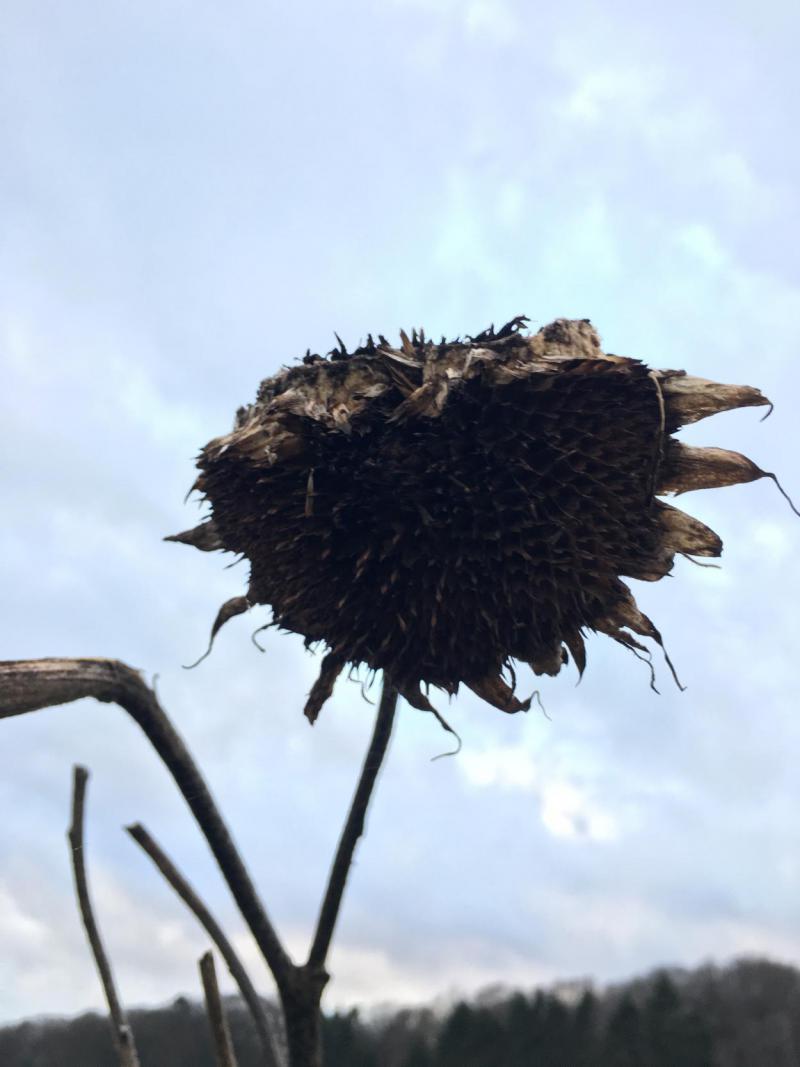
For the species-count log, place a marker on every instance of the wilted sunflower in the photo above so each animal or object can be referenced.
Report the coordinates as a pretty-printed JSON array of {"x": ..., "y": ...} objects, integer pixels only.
[{"x": 439, "y": 511}]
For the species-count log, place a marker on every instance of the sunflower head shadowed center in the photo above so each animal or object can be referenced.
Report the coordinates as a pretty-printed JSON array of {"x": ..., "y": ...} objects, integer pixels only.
[{"x": 440, "y": 511}]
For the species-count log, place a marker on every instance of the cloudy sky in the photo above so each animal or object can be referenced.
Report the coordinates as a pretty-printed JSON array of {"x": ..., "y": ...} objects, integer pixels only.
[{"x": 191, "y": 194}]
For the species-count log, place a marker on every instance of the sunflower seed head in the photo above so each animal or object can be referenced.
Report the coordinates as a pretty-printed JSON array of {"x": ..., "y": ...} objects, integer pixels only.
[{"x": 437, "y": 511}]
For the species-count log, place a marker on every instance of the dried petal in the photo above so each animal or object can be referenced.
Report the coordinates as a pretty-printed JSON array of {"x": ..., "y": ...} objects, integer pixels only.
[
  {"x": 686, "y": 468},
  {"x": 689, "y": 399},
  {"x": 205, "y": 537},
  {"x": 332, "y": 666},
  {"x": 237, "y": 605},
  {"x": 497, "y": 693}
]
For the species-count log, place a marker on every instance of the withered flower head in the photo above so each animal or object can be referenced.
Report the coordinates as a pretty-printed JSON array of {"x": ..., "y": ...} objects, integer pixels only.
[{"x": 439, "y": 511}]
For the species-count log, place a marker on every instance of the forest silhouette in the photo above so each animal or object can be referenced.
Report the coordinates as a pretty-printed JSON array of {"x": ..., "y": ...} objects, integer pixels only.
[{"x": 741, "y": 1015}]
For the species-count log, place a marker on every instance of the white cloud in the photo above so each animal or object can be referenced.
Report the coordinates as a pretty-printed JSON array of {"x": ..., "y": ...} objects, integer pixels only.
[
  {"x": 372, "y": 977},
  {"x": 567, "y": 812},
  {"x": 703, "y": 245},
  {"x": 19, "y": 929},
  {"x": 566, "y": 809},
  {"x": 507, "y": 766},
  {"x": 644, "y": 114},
  {"x": 492, "y": 20},
  {"x": 607, "y": 95}
]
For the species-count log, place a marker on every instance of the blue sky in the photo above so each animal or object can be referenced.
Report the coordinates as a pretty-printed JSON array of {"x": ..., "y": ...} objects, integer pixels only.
[{"x": 193, "y": 194}]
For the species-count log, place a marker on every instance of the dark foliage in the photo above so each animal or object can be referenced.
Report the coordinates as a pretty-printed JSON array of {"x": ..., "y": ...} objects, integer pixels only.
[{"x": 744, "y": 1015}]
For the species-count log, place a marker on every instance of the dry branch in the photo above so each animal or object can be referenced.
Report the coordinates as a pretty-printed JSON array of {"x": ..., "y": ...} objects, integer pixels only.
[
  {"x": 353, "y": 827},
  {"x": 190, "y": 897},
  {"x": 27, "y": 685},
  {"x": 220, "y": 1032},
  {"x": 121, "y": 1031}
]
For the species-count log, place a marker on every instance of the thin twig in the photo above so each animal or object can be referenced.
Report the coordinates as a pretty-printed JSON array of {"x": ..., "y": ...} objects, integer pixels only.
[
  {"x": 220, "y": 1032},
  {"x": 190, "y": 897},
  {"x": 122, "y": 1034},
  {"x": 27, "y": 685},
  {"x": 353, "y": 827}
]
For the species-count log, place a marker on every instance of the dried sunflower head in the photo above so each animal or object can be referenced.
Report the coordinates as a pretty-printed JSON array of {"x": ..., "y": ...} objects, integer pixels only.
[{"x": 439, "y": 511}]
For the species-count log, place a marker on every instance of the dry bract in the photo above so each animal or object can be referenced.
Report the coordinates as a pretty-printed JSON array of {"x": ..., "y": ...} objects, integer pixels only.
[{"x": 438, "y": 511}]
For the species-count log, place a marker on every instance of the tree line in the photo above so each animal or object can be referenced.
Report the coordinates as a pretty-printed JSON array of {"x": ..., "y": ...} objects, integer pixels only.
[{"x": 742, "y": 1015}]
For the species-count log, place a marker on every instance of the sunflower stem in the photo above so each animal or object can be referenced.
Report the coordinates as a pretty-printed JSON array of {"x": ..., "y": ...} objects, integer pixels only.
[{"x": 353, "y": 827}]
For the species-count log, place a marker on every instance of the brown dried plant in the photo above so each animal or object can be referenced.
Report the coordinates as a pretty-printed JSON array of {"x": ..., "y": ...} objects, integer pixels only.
[
  {"x": 441, "y": 511},
  {"x": 436, "y": 512}
]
